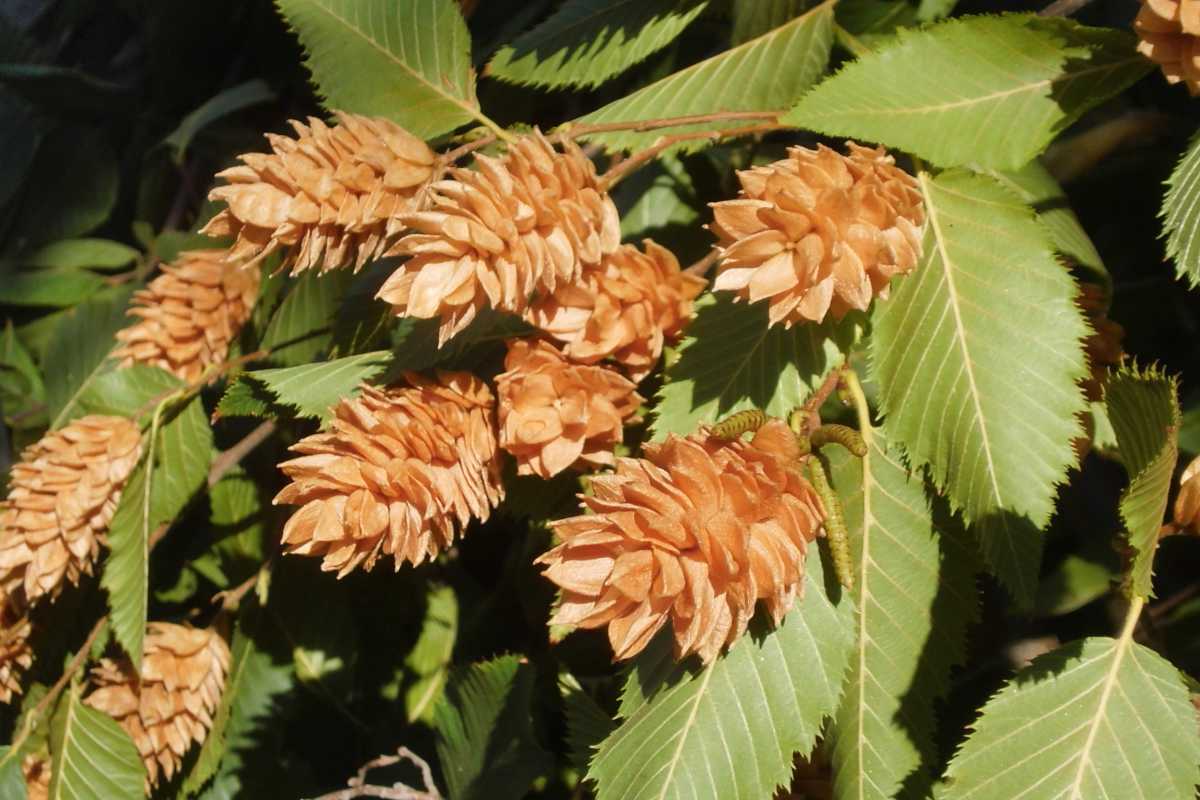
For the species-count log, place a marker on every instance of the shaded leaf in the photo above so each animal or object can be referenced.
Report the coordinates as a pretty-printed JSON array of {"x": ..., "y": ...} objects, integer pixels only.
[
  {"x": 1012, "y": 549},
  {"x": 764, "y": 74},
  {"x": 313, "y": 389},
  {"x": 586, "y": 42},
  {"x": 991, "y": 90},
  {"x": 732, "y": 728},
  {"x": 485, "y": 738},
  {"x": 56, "y": 288},
  {"x": 431, "y": 656},
  {"x": 407, "y": 60},
  {"x": 71, "y": 189},
  {"x": 1143, "y": 408},
  {"x": 587, "y": 723},
  {"x": 731, "y": 360},
  {"x": 301, "y": 327},
  {"x": 989, "y": 291},
  {"x": 754, "y": 18},
  {"x": 92, "y": 756},
  {"x": 78, "y": 349},
  {"x": 226, "y": 102},
  {"x": 100, "y": 254},
  {"x": 1096, "y": 718},
  {"x": 1181, "y": 215}
]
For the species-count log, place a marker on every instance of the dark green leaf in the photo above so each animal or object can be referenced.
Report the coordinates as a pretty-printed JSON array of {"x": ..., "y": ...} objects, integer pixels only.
[
  {"x": 314, "y": 389},
  {"x": 63, "y": 90},
  {"x": 235, "y": 98},
  {"x": 72, "y": 187},
  {"x": 587, "y": 723},
  {"x": 56, "y": 288},
  {"x": 99, "y": 254},
  {"x": 78, "y": 349},
  {"x": 301, "y": 328},
  {"x": 753, "y": 18}
]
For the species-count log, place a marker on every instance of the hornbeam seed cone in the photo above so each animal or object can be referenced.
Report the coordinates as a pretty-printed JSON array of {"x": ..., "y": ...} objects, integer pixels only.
[
  {"x": 695, "y": 533},
  {"x": 1169, "y": 33},
  {"x": 333, "y": 195},
  {"x": 555, "y": 415},
  {"x": 514, "y": 227},
  {"x": 819, "y": 233},
  {"x": 189, "y": 315},
  {"x": 626, "y": 308},
  {"x": 170, "y": 708},
  {"x": 400, "y": 472},
  {"x": 1187, "y": 502},
  {"x": 63, "y": 494},
  {"x": 16, "y": 654}
]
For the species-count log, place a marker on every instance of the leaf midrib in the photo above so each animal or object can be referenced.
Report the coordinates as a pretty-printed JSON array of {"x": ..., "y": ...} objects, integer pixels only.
[
  {"x": 469, "y": 108},
  {"x": 677, "y": 756},
  {"x": 960, "y": 331},
  {"x": 863, "y": 598},
  {"x": 1110, "y": 680},
  {"x": 969, "y": 101}
]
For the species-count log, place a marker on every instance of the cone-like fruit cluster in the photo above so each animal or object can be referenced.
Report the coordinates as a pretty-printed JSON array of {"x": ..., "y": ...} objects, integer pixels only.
[
  {"x": 818, "y": 232},
  {"x": 63, "y": 494},
  {"x": 400, "y": 472},
  {"x": 171, "y": 706},
  {"x": 555, "y": 415},
  {"x": 1170, "y": 37},
  {"x": 1187, "y": 502},
  {"x": 16, "y": 655},
  {"x": 696, "y": 533},
  {"x": 36, "y": 770},
  {"x": 189, "y": 315},
  {"x": 494, "y": 236},
  {"x": 333, "y": 195},
  {"x": 625, "y": 309}
]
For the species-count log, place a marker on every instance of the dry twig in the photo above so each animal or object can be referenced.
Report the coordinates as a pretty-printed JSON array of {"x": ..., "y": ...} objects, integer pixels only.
[{"x": 397, "y": 791}]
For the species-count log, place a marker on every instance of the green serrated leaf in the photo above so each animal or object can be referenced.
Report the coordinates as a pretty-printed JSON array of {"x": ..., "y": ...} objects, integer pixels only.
[
  {"x": 248, "y": 399},
  {"x": 731, "y": 360},
  {"x": 53, "y": 288},
  {"x": 764, "y": 74},
  {"x": 302, "y": 326},
  {"x": 78, "y": 348},
  {"x": 179, "y": 454},
  {"x": 987, "y": 335},
  {"x": 1097, "y": 718},
  {"x": 1075, "y": 582},
  {"x": 1034, "y": 184},
  {"x": 940, "y": 92},
  {"x": 732, "y": 728},
  {"x": 431, "y": 656},
  {"x": 313, "y": 389},
  {"x": 657, "y": 198},
  {"x": 485, "y": 738},
  {"x": 756, "y": 17},
  {"x": 1143, "y": 408},
  {"x": 587, "y": 723},
  {"x": 22, "y": 390},
  {"x": 126, "y": 392},
  {"x": 1181, "y": 215},
  {"x": 407, "y": 60},
  {"x": 1012, "y": 549},
  {"x": 226, "y": 102},
  {"x": 99, "y": 254},
  {"x": 91, "y": 755},
  {"x": 586, "y": 42},
  {"x": 913, "y": 584}
]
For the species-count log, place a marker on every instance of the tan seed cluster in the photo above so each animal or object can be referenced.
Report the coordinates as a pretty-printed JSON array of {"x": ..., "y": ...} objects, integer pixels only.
[
  {"x": 189, "y": 315},
  {"x": 626, "y": 308},
  {"x": 695, "y": 533},
  {"x": 170, "y": 707},
  {"x": 496, "y": 235},
  {"x": 819, "y": 233},
  {"x": 399, "y": 473},
  {"x": 556, "y": 415},
  {"x": 16, "y": 654},
  {"x": 1169, "y": 33},
  {"x": 333, "y": 195},
  {"x": 1187, "y": 502}
]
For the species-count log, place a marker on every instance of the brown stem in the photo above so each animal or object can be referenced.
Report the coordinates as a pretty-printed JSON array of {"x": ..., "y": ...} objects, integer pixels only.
[
  {"x": 574, "y": 130},
  {"x": 450, "y": 156},
  {"x": 636, "y": 160},
  {"x": 232, "y": 598},
  {"x": 210, "y": 375},
  {"x": 817, "y": 399},
  {"x": 231, "y": 457},
  {"x": 701, "y": 267},
  {"x": 398, "y": 791}
]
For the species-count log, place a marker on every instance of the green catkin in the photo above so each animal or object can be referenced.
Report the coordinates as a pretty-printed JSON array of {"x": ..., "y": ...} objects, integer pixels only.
[
  {"x": 835, "y": 523},
  {"x": 839, "y": 434},
  {"x": 735, "y": 425}
]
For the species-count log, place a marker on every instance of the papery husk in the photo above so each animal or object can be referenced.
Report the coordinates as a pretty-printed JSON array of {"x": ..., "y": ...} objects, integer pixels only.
[{"x": 1169, "y": 35}]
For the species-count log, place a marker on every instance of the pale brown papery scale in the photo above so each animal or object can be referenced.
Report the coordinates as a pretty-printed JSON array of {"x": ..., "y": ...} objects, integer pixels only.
[
  {"x": 1187, "y": 502},
  {"x": 16, "y": 654},
  {"x": 1169, "y": 33},
  {"x": 171, "y": 708},
  {"x": 494, "y": 236},
  {"x": 61, "y": 499},
  {"x": 625, "y": 308},
  {"x": 36, "y": 770},
  {"x": 695, "y": 533},
  {"x": 400, "y": 472},
  {"x": 819, "y": 233},
  {"x": 555, "y": 415},
  {"x": 189, "y": 315},
  {"x": 333, "y": 195}
]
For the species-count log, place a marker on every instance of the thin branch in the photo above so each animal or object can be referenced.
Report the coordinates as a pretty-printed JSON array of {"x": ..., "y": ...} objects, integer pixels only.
[
  {"x": 574, "y": 130},
  {"x": 232, "y": 457},
  {"x": 1063, "y": 8},
  {"x": 701, "y": 267},
  {"x": 397, "y": 791},
  {"x": 635, "y": 161},
  {"x": 450, "y": 156}
]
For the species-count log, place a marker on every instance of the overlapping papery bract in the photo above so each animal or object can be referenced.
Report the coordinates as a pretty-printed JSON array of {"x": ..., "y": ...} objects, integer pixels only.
[
  {"x": 400, "y": 471},
  {"x": 496, "y": 235},
  {"x": 555, "y": 415},
  {"x": 695, "y": 533},
  {"x": 170, "y": 706},
  {"x": 334, "y": 196},
  {"x": 819, "y": 233},
  {"x": 61, "y": 499},
  {"x": 1169, "y": 33},
  {"x": 16, "y": 654},
  {"x": 625, "y": 308},
  {"x": 189, "y": 315}
]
